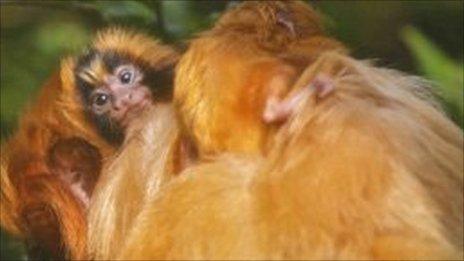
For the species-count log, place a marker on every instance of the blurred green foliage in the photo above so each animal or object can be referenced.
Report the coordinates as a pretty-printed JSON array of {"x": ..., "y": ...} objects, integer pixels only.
[
  {"x": 36, "y": 34},
  {"x": 124, "y": 10},
  {"x": 436, "y": 66},
  {"x": 11, "y": 248}
]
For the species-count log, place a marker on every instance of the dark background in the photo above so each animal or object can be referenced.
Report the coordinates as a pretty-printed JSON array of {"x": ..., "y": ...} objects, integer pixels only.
[{"x": 419, "y": 37}]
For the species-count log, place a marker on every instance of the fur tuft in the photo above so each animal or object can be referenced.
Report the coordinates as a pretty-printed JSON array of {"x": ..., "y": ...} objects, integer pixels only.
[{"x": 135, "y": 45}]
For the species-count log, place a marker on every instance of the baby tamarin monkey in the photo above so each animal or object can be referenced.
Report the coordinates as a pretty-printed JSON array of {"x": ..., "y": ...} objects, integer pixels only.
[
  {"x": 54, "y": 159},
  {"x": 119, "y": 77}
]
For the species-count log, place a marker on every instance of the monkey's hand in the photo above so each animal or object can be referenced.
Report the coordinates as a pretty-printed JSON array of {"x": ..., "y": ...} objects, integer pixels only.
[{"x": 278, "y": 111}]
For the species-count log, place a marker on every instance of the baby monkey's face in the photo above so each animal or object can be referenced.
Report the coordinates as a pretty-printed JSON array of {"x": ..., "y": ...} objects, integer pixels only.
[
  {"x": 121, "y": 95},
  {"x": 114, "y": 89}
]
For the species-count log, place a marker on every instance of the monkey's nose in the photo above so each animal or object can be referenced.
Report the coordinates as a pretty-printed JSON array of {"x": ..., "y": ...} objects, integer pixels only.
[
  {"x": 123, "y": 102},
  {"x": 119, "y": 105},
  {"x": 127, "y": 100}
]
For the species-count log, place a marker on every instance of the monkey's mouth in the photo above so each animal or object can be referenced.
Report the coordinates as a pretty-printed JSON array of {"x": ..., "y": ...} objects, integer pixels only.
[{"x": 134, "y": 111}]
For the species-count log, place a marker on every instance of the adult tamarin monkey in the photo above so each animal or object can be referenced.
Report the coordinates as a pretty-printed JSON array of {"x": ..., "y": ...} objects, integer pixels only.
[
  {"x": 243, "y": 71},
  {"x": 342, "y": 181},
  {"x": 51, "y": 165},
  {"x": 372, "y": 171}
]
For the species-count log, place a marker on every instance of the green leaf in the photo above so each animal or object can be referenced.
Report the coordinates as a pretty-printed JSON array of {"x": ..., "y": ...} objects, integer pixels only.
[
  {"x": 436, "y": 66},
  {"x": 120, "y": 10}
]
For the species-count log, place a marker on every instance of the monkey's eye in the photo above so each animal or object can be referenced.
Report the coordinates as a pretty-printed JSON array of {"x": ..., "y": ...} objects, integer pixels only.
[
  {"x": 101, "y": 99},
  {"x": 125, "y": 77}
]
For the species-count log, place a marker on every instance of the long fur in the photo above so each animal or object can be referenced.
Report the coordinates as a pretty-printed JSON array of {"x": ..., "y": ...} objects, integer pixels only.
[
  {"x": 361, "y": 175},
  {"x": 8, "y": 199},
  {"x": 24, "y": 159},
  {"x": 133, "y": 176}
]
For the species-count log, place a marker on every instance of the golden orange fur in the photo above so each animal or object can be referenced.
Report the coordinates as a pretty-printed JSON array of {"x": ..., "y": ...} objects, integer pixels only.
[
  {"x": 56, "y": 114},
  {"x": 228, "y": 72},
  {"x": 342, "y": 181},
  {"x": 131, "y": 177},
  {"x": 147, "y": 50},
  {"x": 373, "y": 171},
  {"x": 7, "y": 198}
]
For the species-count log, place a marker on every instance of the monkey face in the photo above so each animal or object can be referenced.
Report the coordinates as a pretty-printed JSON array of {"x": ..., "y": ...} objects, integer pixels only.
[
  {"x": 115, "y": 88},
  {"x": 121, "y": 95}
]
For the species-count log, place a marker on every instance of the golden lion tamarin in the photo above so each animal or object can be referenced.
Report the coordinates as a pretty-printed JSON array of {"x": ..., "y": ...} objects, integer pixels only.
[
  {"x": 372, "y": 171},
  {"x": 51, "y": 165},
  {"x": 340, "y": 182}
]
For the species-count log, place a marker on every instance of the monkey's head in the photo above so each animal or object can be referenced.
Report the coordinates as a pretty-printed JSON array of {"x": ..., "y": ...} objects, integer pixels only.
[
  {"x": 121, "y": 74},
  {"x": 272, "y": 23}
]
